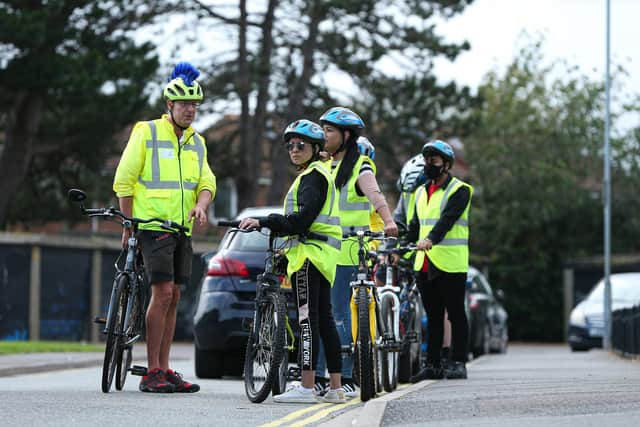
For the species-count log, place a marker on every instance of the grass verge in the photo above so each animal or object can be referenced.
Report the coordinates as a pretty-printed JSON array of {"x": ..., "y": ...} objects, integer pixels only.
[{"x": 15, "y": 347}]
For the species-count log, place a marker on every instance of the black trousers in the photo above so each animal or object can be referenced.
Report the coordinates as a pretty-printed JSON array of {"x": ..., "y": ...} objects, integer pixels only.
[
  {"x": 315, "y": 316},
  {"x": 446, "y": 290}
]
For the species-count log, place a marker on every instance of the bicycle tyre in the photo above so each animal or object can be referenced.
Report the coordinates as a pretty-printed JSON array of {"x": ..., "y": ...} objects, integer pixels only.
[
  {"x": 117, "y": 306},
  {"x": 130, "y": 329},
  {"x": 409, "y": 359},
  {"x": 280, "y": 382},
  {"x": 365, "y": 348},
  {"x": 265, "y": 347},
  {"x": 389, "y": 358}
]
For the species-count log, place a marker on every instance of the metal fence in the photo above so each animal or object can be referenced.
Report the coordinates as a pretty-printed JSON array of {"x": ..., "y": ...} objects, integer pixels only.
[
  {"x": 51, "y": 287},
  {"x": 625, "y": 331}
]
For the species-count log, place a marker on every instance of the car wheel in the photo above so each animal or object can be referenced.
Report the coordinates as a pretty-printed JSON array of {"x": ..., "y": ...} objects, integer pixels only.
[
  {"x": 483, "y": 348},
  {"x": 576, "y": 348},
  {"x": 209, "y": 363}
]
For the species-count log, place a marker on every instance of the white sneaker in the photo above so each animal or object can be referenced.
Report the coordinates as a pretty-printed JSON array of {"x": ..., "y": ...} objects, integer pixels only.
[
  {"x": 350, "y": 390},
  {"x": 334, "y": 396},
  {"x": 296, "y": 394}
]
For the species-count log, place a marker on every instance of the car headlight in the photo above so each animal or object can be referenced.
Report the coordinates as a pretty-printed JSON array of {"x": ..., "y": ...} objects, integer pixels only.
[{"x": 578, "y": 318}]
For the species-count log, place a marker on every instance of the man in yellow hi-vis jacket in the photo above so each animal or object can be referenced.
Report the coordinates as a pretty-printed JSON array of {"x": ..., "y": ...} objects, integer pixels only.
[
  {"x": 163, "y": 173},
  {"x": 440, "y": 225}
]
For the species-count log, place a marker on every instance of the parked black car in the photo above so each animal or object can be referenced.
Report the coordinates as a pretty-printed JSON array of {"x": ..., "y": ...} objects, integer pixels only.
[
  {"x": 225, "y": 305},
  {"x": 488, "y": 330}
]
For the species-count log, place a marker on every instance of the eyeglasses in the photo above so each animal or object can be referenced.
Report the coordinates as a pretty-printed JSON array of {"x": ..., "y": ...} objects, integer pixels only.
[
  {"x": 298, "y": 145},
  {"x": 193, "y": 104}
]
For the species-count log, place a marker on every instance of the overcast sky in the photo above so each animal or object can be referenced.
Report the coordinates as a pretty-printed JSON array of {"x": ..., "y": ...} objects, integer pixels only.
[{"x": 574, "y": 30}]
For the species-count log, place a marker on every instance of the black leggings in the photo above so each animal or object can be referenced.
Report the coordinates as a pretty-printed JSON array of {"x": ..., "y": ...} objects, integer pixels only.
[
  {"x": 446, "y": 290},
  {"x": 313, "y": 295}
]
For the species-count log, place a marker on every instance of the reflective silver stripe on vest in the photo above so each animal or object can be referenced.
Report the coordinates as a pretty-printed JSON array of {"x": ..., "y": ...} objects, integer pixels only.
[
  {"x": 433, "y": 221},
  {"x": 445, "y": 196},
  {"x": 346, "y": 205},
  {"x": 155, "y": 144},
  {"x": 453, "y": 242}
]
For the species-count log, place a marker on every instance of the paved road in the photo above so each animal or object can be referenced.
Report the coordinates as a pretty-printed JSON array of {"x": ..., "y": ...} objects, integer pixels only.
[{"x": 529, "y": 386}]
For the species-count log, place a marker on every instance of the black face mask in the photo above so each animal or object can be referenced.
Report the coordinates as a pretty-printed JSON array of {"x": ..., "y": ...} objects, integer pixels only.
[{"x": 433, "y": 171}]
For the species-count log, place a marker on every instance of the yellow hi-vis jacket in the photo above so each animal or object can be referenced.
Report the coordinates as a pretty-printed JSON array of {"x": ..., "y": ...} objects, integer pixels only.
[
  {"x": 452, "y": 253},
  {"x": 163, "y": 175},
  {"x": 354, "y": 211},
  {"x": 324, "y": 255}
]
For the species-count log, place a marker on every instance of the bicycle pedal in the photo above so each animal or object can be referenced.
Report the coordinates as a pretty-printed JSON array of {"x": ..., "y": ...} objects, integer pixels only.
[
  {"x": 294, "y": 374},
  {"x": 100, "y": 320},
  {"x": 138, "y": 370}
]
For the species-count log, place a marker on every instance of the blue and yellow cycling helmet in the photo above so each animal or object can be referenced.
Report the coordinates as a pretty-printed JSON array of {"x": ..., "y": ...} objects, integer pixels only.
[{"x": 182, "y": 84}]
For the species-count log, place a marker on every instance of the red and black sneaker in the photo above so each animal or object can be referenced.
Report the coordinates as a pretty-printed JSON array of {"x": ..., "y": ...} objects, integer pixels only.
[
  {"x": 156, "y": 382},
  {"x": 181, "y": 386}
]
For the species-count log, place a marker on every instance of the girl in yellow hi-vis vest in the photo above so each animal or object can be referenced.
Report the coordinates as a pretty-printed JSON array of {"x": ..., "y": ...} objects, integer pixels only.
[
  {"x": 356, "y": 183},
  {"x": 440, "y": 225},
  {"x": 310, "y": 205}
]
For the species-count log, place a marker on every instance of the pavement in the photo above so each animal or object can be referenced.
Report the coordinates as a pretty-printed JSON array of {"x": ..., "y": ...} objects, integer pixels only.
[{"x": 30, "y": 363}]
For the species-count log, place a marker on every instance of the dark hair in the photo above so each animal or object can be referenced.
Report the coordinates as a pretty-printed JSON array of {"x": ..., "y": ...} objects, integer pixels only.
[{"x": 351, "y": 156}]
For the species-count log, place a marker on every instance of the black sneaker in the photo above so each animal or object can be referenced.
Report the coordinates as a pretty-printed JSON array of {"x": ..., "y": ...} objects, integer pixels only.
[
  {"x": 180, "y": 384},
  {"x": 430, "y": 372},
  {"x": 156, "y": 382},
  {"x": 456, "y": 371}
]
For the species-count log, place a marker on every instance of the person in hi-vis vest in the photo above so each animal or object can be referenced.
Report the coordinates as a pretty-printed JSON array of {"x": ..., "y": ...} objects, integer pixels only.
[
  {"x": 441, "y": 228},
  {"x": 311, "y": 204},
  {"x": 163, "y": 173},
  {"x": 355, "y": 179}
]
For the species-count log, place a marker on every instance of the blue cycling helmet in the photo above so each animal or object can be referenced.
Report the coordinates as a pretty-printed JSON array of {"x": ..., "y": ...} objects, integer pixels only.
[
  {"x": 343, "y": 118},
  {"x": 441, "y": 148},
  {"x": 307, "y": 130},
  {"x": 366, "y": 148}
]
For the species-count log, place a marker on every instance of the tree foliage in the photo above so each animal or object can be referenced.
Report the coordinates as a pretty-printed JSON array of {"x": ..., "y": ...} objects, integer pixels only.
[
  {"x": 536, "y": 159},
  {"x": 291, "y": 56},
  {"x": 71, "y": 77}
]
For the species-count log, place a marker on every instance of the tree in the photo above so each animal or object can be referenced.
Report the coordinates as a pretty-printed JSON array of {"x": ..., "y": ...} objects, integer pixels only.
[
  {"x": 281, "y": 74},
  {"x": 71, "y": 76},
  {"x": 536, "y": 164}
]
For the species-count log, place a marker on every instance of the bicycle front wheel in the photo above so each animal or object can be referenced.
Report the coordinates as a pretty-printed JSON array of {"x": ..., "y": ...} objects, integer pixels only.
[
  {"x": 389, "y": 358},
  {"x": 364, "y": 351},
  {"x": 117, "y": 308},
  {"x": 265, "y": 347},
  {"x": 130, "y": 329}
]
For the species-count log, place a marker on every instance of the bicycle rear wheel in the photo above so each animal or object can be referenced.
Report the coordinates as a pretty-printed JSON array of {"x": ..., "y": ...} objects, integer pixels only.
[
  {"x": 265, "y": 347},
  {"x": 389, "y": 358},
  {"x": 130, "y": 329},
  {"x": 364, "y": 351},
  {"x": 117, "y": 307}
]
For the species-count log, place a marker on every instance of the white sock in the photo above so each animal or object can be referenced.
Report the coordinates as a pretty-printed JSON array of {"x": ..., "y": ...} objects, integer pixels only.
[{"x": 305, "y": 390}]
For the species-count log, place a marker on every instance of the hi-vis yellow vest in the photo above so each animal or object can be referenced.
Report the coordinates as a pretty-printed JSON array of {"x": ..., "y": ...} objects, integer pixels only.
[
  {"x": 354, "y": 211},
  {"x": 323, "y": 255},
  {"x": 452, "y": 253},
  {"x": 163, "y": 176}
]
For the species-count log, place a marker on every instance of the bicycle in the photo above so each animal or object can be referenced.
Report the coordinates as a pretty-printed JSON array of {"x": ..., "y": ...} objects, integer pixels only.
[
  {"x": 271, "y": 338},
  {"x": 373, "y": 335},
  {"x": 124, "y": 323},
  {"x": 408, "y": 317}
]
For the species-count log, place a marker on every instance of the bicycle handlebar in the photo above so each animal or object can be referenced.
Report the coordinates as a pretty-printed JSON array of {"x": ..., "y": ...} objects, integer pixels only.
[
  {"x": 373, "y": 235},
  {"x": 111, "y": 212}
]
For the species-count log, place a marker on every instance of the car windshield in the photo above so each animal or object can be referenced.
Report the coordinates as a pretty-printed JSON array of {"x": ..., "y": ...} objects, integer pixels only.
[{"x": 624, "y": 288}]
